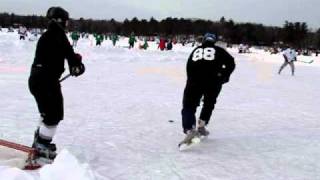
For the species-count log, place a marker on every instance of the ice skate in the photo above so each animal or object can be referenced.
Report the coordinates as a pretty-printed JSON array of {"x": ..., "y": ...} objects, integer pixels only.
[
  {"x": 192, "y": 138},
  {"x": 203, "y": 132},
  {"x": 44, "y": 149}
]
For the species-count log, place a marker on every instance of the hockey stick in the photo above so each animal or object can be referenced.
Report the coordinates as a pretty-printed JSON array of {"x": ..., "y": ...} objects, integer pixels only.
[
  {"x": 31, "y": 152},
  {"x": 65, "y": 77},
  {"x": 309, "y": 62}
]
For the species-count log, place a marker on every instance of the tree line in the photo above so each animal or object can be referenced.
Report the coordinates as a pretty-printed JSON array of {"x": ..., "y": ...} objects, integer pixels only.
[{"x": 294, "y": 33}]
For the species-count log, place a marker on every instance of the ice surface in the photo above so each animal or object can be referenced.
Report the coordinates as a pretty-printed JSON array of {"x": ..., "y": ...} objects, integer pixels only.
[{"x": 265, "y": 125}]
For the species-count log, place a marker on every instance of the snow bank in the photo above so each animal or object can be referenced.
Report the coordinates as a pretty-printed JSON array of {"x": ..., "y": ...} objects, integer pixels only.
[
  {"x": 66, "y": 166},
  {"x": 14, "y": 174}
]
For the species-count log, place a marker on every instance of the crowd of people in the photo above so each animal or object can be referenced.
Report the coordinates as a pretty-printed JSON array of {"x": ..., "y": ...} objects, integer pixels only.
[{"x": 164, "y": 43}]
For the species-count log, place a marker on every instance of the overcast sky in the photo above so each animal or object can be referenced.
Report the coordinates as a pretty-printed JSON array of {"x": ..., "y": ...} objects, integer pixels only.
[{"x": 268, "y": 12}]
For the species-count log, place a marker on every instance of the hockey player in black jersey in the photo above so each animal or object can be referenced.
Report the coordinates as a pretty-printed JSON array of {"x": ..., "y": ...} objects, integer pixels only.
[
  {"x": 52, "y": 49},
  {"x": 208, "y": 68}
]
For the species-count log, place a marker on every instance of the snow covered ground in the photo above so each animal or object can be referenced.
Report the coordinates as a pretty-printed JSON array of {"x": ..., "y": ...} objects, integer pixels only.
[{"x": 265, "y": 125}]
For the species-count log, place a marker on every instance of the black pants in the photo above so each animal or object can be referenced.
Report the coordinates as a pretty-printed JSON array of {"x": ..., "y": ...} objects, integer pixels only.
[
  {"x": 49, "y": 99},
  {"x": 191, "y": 100},
  {"x": 98, "y": 43}
]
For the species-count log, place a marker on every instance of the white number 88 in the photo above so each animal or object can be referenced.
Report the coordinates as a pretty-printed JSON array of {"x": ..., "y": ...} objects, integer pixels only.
[{"x": 206, "y": 54}]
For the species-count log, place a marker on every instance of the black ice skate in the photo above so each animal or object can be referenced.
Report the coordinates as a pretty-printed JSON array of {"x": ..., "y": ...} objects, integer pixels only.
[{"x": 43, "y": 147}]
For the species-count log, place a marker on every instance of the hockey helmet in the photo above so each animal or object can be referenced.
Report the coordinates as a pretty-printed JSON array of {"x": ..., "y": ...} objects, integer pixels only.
[
  {"x": 209, "y": 37},
  {"x": 57, "y": 13}
]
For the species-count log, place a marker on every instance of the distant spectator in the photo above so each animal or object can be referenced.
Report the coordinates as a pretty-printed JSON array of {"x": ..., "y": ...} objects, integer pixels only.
[
  {"x": 169, "y": 45},
  {"x": 162, "y": 44}
]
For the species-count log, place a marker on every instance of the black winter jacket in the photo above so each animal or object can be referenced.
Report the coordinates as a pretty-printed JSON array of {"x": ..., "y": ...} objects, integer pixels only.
[
  {"x": 209, "y": 64},
  {"x": 52, "y": 49}
]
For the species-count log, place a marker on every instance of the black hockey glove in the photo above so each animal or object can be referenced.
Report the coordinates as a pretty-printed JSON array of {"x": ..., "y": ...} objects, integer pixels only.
[{"x": 78, "y": 68}]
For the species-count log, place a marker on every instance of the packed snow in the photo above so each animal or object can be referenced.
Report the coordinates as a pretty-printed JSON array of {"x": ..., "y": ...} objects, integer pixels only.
[{"x": 117, "y": 116}]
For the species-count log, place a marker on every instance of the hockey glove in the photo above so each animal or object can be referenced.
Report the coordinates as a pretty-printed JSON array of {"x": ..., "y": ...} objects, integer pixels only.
[{"x": 78, "y": 68}]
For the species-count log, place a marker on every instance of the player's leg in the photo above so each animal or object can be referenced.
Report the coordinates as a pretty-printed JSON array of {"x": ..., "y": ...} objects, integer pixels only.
[
  {"x": 283, "y": 66},
  {"x": 210, "y": 98},
  {"x": 292, "y": 68},
  {"x": 50, "y": 104},
  {"x": 191, "y": 99}
]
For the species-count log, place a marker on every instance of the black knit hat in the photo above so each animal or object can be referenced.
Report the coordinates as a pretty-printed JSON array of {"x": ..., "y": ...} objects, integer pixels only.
[{"x": 57, "y": 13}]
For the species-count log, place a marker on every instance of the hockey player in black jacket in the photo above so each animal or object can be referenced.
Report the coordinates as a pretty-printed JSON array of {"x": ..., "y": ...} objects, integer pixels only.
[
  {"x": 52, "y": 49},
  {"x": 208, "y": 68}
]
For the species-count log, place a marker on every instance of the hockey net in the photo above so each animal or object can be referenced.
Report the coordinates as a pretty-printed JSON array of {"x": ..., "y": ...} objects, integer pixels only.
[{"x": 15, "y": 155}]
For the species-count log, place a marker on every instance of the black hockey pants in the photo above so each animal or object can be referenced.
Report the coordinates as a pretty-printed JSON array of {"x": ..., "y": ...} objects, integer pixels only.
[
  {"x": 48, "y": 96},
  {"x": 191, "y": 100}
]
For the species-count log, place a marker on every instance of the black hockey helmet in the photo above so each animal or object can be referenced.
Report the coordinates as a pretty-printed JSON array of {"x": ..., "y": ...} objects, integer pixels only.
[{"x": 58, "y": 14}]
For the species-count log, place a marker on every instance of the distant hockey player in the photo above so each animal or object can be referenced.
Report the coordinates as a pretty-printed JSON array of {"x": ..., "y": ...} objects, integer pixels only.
[
  {"x": 145, "y": 45},
  {"x": 132, "y": 40},
  {"x": 114, "y": 38},
  {"x": 75, "y": 37},
  {"x": 289, "y": 56},
  {"x": 52, "y": 49},
  {"x": 22, "y": 32},
  {"x": 208, "y": 68},
  {"x": 99, "y": 39}
]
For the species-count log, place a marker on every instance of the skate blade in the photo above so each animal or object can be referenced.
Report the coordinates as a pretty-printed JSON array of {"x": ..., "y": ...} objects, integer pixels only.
[
  {"x": 37, "y": 163},
  {"x": 43, "y": 161},
  {"x": 32, "y": 166},
  {"x": 185, "y": 146},
  {"x": 204, "y": 137}
]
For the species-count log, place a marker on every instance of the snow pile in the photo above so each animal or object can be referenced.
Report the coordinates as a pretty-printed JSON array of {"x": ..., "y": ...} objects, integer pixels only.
[
  {"x": 14, "y": 174},
  {"x": 66, "y": 166}
]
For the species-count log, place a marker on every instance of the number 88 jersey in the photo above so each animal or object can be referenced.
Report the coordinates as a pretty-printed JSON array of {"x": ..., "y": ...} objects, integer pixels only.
[{"x": 209, "y": 64}]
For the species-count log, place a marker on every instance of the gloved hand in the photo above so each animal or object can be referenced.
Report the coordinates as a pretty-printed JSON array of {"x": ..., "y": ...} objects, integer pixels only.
[
  {"x": 223, "y": 78},
  {"x": 78, "y": 68}
]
